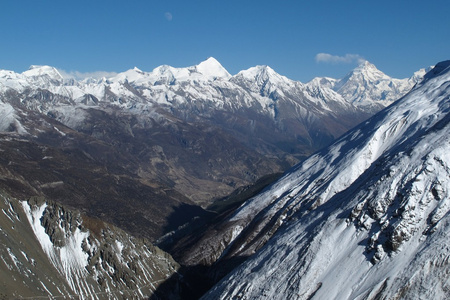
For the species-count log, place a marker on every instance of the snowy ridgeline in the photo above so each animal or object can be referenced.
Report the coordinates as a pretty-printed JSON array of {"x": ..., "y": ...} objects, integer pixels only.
[
  {"x": 66, "y": 259},
  {"x": 207, "y": 83},
  {"x": 366, "y": 218}
]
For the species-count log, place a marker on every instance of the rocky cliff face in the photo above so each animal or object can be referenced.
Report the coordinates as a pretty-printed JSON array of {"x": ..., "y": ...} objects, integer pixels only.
[{"x": 51, "y": 251}]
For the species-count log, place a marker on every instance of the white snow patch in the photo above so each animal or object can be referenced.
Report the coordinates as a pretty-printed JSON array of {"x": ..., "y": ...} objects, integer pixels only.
[{"x": 70, "y": 259}]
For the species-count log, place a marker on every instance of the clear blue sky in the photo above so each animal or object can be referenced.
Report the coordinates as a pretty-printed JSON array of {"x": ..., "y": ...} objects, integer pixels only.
[{"x": 398, "y": 36}]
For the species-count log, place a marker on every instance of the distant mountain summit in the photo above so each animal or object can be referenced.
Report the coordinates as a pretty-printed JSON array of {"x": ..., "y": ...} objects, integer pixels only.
[
  {"x": 44, "y": 71},
  {"x": 369, "y": 88},
  {"x": 264, "y": 81},
  {"x": 212, "y": 69}
]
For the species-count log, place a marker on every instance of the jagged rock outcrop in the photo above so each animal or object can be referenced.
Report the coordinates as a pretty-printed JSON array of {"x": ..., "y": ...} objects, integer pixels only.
[{"x": 49, "y": 250}]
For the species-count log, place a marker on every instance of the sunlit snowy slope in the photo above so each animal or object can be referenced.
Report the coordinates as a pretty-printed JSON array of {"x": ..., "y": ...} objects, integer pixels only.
[{"x": 366, "y": 218}]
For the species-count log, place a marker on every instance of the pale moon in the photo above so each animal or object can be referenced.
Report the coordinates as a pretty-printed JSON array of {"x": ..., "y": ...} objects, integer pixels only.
[{"x": 168, "y": 16}]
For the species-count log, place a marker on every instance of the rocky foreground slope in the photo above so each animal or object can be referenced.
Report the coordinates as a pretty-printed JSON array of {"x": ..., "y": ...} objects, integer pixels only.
[
  {"x": 48, "y": 250},
  {"x": 366, "y": 218}
]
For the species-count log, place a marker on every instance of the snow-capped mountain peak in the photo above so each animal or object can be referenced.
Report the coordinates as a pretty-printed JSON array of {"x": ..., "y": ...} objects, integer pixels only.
[
  {"x": 264, "y": 80},
  {"x": 366, "y": 67},
  {"x": 366, "y": 86},
  {"x": 49, "y": 72},
  {"x": 131, "y": 75},
  {"x": 261, "y": 74},
  {"x": 365, "y": 72},
  {"x": 322, "y": 82},
  {"x": 212, "y": 69}
]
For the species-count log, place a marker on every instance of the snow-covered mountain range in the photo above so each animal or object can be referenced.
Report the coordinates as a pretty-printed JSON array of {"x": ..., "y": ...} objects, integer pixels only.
[
  {"x": 260, "y": 80},
  {"x": 207, "y": 83},
  {"x": 269, "y": 113},
  {"x": 365, "y": 218}
]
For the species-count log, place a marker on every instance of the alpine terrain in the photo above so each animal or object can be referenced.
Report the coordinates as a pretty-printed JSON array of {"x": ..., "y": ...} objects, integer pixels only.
[
  {"x": 94, "y": 172},
  {"x": 366, "y": 218},
  {"x": 160, "y": 146}
]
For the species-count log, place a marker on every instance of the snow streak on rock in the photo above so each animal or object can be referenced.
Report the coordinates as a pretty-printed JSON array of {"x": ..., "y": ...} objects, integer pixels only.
[
  {"x": 69, "y": 259},
  {"x": 106, "y": 263}
]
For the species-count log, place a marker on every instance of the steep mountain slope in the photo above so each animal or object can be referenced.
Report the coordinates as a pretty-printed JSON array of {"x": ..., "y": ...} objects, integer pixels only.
[
  {"x": 50, "y": 251},
  {"x": 366, "y": 218}
]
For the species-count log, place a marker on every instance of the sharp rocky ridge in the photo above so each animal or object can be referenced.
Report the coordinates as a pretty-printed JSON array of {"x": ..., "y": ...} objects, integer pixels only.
[{"x": 365, "y": 218}]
